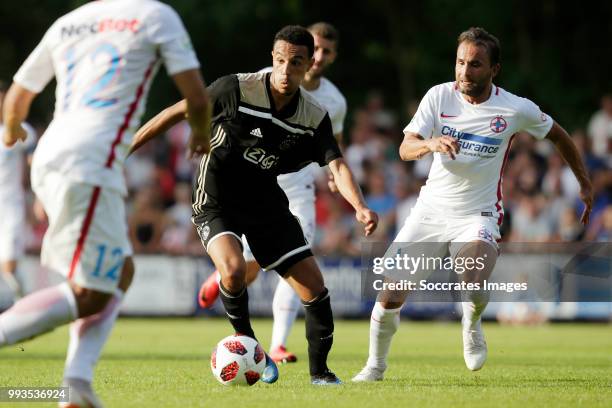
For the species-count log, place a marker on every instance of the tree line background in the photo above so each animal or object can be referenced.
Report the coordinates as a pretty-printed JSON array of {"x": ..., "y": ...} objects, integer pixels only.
[{"x": 556, "y": 53}]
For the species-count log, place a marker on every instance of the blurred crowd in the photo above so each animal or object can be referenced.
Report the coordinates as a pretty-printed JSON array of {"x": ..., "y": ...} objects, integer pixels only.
[{"x": 541, "y": 195}]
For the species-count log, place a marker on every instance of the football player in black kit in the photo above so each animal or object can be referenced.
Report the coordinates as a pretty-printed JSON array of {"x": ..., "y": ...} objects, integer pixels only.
[{"x": 263, "y": 126}]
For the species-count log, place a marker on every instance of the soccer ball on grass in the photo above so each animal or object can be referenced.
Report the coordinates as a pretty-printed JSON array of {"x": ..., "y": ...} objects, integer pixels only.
[{"x": 237, "y": 360}]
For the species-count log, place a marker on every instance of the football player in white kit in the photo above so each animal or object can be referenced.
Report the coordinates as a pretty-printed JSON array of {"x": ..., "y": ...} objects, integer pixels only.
[
  {"x": 12, "y": 203},
  {"x": 468, "y": 125},
  {"x": 299, "y": 188},
  {"x": 104, "y": 56}
]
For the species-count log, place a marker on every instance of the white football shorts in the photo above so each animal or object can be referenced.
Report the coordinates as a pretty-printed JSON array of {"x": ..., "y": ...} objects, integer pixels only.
[
  {"x": 435, "y": 234},
  {"x": 87, "y": 239}
]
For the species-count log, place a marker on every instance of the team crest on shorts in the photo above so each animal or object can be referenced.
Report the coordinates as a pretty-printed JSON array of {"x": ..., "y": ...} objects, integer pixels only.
[
  {"x": 484, "y": 233},
  {"x": 498, "y": 124},
  {"x": 204, "y": 232}
]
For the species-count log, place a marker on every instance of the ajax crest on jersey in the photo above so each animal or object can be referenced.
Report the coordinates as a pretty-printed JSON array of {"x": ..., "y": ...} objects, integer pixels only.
[{"x": 238, "y": 360}]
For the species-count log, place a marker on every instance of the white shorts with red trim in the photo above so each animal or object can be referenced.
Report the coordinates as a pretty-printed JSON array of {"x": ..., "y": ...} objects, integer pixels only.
[
  {"x": 425, "y": 225},
  {"x": 87, "y": 239}
]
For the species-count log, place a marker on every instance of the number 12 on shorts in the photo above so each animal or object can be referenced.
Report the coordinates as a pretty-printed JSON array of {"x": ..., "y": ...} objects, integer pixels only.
[{"x": 116, "y": 260}]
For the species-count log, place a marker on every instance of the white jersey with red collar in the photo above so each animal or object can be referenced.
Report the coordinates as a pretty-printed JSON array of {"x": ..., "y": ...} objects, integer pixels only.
[
  {"x": 471, "y": 184},
  {"x": 104, "y": 56}
]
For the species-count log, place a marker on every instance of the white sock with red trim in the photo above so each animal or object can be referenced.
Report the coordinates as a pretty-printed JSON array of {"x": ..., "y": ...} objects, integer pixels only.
[
  {"x": 87, "y": 338},
  {"x": 285, "y": 307},
  {"x": 383, "y": 325},
  {"x": 38, "y": 313}
]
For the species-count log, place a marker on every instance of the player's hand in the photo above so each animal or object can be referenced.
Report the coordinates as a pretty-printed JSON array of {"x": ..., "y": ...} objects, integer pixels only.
[
  {"x": 586, "y": 195},
  {"x": 445, "y": 145},
  {"x": 198, "y": 146},
  {"x": 331, "y": 183},
  {"x": 368, "y": 218},
  {"x": 13, "y": 134}
]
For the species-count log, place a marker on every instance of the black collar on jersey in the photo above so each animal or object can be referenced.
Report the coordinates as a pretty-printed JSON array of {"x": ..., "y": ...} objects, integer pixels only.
[{"x": 289, "y": 109}]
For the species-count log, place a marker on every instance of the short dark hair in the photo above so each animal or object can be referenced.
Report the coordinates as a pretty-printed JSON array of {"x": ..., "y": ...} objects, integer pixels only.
[
  {"x": 480, "y": 36},
  {"x": 325, "y": 30},
  {"x": 296, "y": 35},
  {"x": 4, "y": 86}
]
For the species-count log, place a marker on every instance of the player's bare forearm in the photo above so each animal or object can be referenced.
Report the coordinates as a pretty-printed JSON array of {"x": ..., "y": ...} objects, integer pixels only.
[
  {"x": 413, "y": 147},
  {"x": 192, "y": 87},
  {"x": 199, "y": 121},
  {"x": 350, "y": 190},
  {"x": 568, "y": 151},
  {"x": 347, "y": 186},
  {"x": 15, "y": 110},
  {"x": 159, "y": 124}
]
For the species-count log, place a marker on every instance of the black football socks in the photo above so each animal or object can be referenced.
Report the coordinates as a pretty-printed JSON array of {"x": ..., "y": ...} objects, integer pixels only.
[
  {"x": 237, "y": 310},
  {"x": 319, "y": 331}
]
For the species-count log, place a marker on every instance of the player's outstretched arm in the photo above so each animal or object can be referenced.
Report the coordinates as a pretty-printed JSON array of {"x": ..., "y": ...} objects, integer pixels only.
[
  {"x": 15, "y": 110},
  {"x": 563, "y": 142},
  {"x": 350, "y": 190},
  {"x": 159, "y": 124},
  {"x": 414, "y": 147}
]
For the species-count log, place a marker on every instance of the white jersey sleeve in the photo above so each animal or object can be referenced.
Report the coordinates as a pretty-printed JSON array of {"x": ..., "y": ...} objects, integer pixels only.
[
  {"x": 535, "y": 122},
  {"x": 424, "y": 121},
  {"x": 37, "y": 70},
  {"x": 167, "y": 31}
]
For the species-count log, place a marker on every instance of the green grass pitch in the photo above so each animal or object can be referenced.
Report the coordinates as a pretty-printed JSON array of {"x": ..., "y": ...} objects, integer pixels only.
[{"x": 164, "y": 363}]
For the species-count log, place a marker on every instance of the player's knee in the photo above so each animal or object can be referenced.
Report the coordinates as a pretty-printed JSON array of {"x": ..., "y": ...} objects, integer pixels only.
[
  {"x": 127, "y": 274},
  {"x": 89, "y": 301},
  {"x": 477, "y": 260},
  {"x": 233, "y": 274}
]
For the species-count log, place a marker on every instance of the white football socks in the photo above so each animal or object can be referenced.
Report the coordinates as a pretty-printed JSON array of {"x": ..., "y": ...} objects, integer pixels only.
[
  {"x": 38, "y": 313},
  {"x": 472, "y": 309},
  {"x": 87, "y": 338},
  {"x": 383, "y": 325},
  {"x": 285, "y": 307}
]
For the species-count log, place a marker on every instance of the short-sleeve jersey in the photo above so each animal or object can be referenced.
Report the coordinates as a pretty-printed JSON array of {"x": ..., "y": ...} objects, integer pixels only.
[
  {"x": 472, "y": 183},
  {"x": 104, "y": 56},
  {"x": 12, "y": 165},
  {"x": 252, "y": 143}
]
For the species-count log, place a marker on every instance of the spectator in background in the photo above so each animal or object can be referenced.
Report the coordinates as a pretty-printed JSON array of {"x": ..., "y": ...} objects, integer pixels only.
[
  {"x": 530, "y": 221},
  {"x": 334, "y": 237},
  {"x": 178, "y": 235},
  {"x": 569, "y": 228},
  {"x": 551, "y": 183},
  {"x": 600, "y": 130},
  {"x": 380, "y": 200},
  {"x": 569, "y": 184},
  {"x": 147, "y": 221},
  {"x": 601, "y": 229},
  {"x": 183, "y": 167}
]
